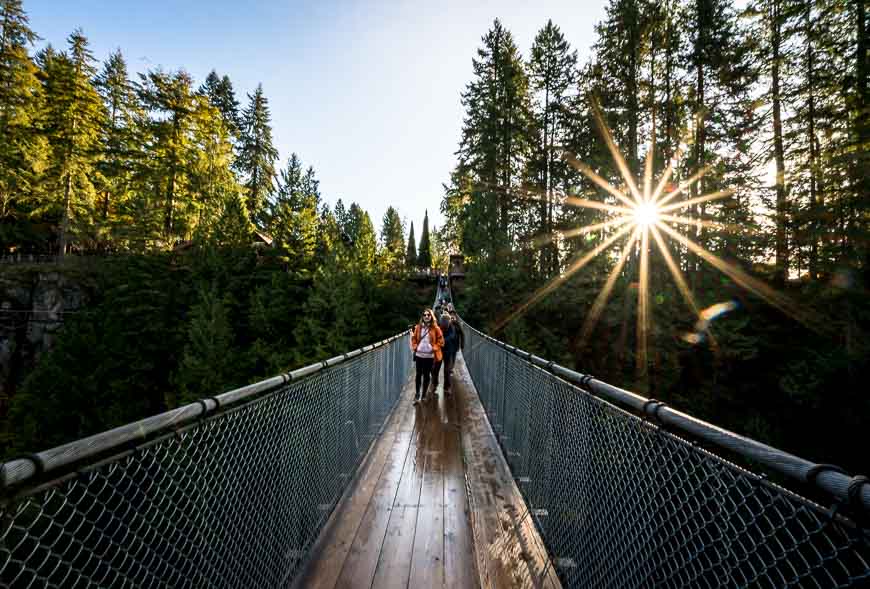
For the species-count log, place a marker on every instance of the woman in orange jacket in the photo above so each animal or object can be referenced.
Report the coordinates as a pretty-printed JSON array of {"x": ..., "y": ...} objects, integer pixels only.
[{"x": 427, "y": 342}]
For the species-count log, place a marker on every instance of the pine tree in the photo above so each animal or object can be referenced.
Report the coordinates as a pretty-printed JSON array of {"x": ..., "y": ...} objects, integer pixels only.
[
  {"x": 619, "y": 53},
  {"x": 121, "y": 143},
  {"x": 411, "y": 253},
  {"x": 328, "y": 235},
  {"x": 204, "y": 366},
  {"x": 171, "y": 103},
  {"x": 366, "y": 240},
  {"x": 393, "y": 240},
  {"x": 721, "y": 75},
  {"x": 424, "y": 254},
  {"x": 496, "y": 139},
  {"x": 221, "y": 95},
  {"x": 294, "y": 217},
  {"x": 552, "y": 74},
  {"x": 233, "y": 227},
  {"x": 75, "y": 118},
  {"x": 211, "y": 184},
  {"x": 257, "y": 154},
  {"x": 23, "y": 150}
]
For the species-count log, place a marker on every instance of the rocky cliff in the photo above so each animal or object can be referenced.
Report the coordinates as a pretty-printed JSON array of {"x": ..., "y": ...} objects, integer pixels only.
[{"x": 34, "y": 303}]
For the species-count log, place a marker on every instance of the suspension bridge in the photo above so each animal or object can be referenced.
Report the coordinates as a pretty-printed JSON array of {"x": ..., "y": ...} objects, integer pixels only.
[{"x": 529, "y": 475}]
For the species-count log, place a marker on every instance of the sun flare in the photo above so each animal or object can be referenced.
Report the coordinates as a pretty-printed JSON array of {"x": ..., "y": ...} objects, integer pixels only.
[{"x": 647, "y": 213}]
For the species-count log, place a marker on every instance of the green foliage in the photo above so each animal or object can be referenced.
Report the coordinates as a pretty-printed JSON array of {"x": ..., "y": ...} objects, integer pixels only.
[
  {"x": 206, "y": 360},
  {"x": 221, "y": 95},
  {"x": 696, "y": 77},
  {"x": 164, "y": 329},
  {"x": 257, "y": 154},
  {"x": 411, "y": 253},
  {"x": 495, "y": 141},
  {"x": 393, "y": 241},
  {"x": 23, "y": 150},
  {"x": 294, "y": 217},
  {"x": 424, "y": 253},
  {"x": 173, "y": 186}
]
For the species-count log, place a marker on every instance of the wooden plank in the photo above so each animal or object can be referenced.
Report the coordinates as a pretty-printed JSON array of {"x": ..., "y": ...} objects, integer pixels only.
[
  {"x": 394, "y": 563},
  {"x": 427, "y": 561},
  {"x": 509, "y": 552},
  {"x": 359, "y": 567},
  {"x": 459, "y": 562},
  {"x": 335, "y": 541}
]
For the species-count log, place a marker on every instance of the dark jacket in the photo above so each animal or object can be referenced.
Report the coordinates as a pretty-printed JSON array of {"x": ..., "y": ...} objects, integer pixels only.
[
  {"x": 449, "y": 335},
  {"x": 454, "y": 339},
  {"x": 460, "y": 335}
]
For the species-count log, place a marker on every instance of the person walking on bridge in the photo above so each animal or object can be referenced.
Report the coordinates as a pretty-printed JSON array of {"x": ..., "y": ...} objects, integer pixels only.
[
  {"x": 451, "y": 345},
  {"x": 427, "y": 341},
  {"x": 460, "y": 340}
]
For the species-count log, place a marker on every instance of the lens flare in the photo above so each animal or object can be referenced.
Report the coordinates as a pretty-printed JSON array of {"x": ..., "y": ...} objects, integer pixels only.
[{"x": 646, "y": 212}]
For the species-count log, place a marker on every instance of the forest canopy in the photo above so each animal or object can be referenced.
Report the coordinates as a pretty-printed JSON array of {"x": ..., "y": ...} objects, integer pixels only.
[
  {"x": 202, "y": 260},
  {"x": 751, "y": 308}
]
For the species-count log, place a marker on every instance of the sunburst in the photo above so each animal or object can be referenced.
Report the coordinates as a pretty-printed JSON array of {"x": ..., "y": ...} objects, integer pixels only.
[{"x": 644, "y": 216}]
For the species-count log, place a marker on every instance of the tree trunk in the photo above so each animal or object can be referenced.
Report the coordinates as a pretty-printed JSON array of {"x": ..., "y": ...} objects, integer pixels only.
[
  {"x": 862, "y": 127},
  {"x": 64, "y": 224},
  {"x": 814, "y": 226},
  {"x": 781, "y": 273},
  {"x": 700, "y": 107}
]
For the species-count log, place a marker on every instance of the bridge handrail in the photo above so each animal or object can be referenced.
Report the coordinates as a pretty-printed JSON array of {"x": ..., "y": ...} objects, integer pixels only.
[
  {"x": 854, "y": 489},
  {"x": 18, "y": 471}
]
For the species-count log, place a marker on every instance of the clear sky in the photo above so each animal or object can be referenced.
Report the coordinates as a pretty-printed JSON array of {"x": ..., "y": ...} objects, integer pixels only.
[{"x": 366, "y": 92}]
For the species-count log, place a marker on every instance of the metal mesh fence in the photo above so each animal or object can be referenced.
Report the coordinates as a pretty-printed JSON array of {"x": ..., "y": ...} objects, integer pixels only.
[
  {"x": 234, "y": 500},
  {"x": 620, "y": 502}
]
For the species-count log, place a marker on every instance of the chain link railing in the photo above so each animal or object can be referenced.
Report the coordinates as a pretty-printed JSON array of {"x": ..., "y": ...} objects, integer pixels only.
[
  {"x": 629, "y": 501},
  {"x": 231, "y": 491}
]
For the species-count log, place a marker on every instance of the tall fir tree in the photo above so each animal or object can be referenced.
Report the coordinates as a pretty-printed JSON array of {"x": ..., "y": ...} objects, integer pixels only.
[
  {"x": 23, "y": 150},
  {"x": 74, "y": 120},
  {"x": 619, "y": 55},
  {"x": 257, "y": 154},
  {"x": 366, "y": 243},
  {"x": 294, "y": 217},
  {"x": 496, "y": 139},
  {"x": 721, "y": 78},
  {"x": 222, "y": 96},
  {"x": 411, "y": 253},
  {"x": 424, "y": 253},
  {"x": 170, "y": 102},
  {"x": 204, "y": 365},
  {"x": 552, "y": 75},
  {"x": 208, "y": 164},
  {"x": 121, "y": 147},
  {"x": 393, "y": 240}
]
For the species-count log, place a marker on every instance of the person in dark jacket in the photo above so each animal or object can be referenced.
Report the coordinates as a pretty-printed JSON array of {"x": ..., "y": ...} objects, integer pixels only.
[
  {"x": 459, "y": 338},
  {"x": 451, "y": 346}
]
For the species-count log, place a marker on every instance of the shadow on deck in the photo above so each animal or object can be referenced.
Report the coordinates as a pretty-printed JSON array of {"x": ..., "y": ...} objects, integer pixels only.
[{"x": 433, "y": 505}]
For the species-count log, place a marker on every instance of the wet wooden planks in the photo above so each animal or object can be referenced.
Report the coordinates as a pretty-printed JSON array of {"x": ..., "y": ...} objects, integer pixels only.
[
  {"x": 406, "y": 521},
  {"x": 509, "y": 550}
]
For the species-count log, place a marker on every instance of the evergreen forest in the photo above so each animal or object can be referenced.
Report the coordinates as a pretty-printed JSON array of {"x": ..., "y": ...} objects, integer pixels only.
[
  {"x": 200, "y": 261},
  {"x": 208, "y": 262},
  {"x": 760, "y": 112}
]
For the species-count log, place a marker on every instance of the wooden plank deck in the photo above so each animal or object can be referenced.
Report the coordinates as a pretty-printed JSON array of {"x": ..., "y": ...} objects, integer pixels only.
[{"x": 415, "y": 518}]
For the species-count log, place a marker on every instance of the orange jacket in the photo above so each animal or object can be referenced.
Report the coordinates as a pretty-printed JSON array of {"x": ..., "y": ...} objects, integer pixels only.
[{"x": 436, "y": 339}]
